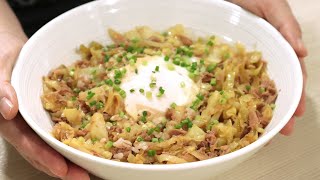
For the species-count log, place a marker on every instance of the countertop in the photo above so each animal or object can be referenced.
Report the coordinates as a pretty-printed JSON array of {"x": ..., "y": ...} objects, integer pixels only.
[{"x": 295, "y": 157}]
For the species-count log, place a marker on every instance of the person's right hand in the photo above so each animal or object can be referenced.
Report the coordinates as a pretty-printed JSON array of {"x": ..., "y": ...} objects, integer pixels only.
[{"x": 15, "y": 130}]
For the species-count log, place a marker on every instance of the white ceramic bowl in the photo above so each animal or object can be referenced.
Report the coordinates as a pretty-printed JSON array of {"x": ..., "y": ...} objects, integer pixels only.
[{"x": 55, "y": 44}]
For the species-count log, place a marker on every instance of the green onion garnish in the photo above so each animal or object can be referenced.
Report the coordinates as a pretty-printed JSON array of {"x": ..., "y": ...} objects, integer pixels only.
[
  {"x": 141, "y": 91},
  {"x": 90, "y": 95},
  {"x": 108, "y": 82},
  {"x": 210, "y": 43},
  {"x": 166, "y": 58},
  {"x": 211, "y": 67},
  {"x": 139, "y": 139},
  {"x": 117, "y": 81},
  {"x": 161, "y": 92},
  {"x": 122, "y": 93},
  {"x": 151, "y": 153},
  {"x": 157, "y": 69},
  {"x": 99, "y": 105},
  {"x": 173, "y": 105},
  {"x": 106, "y": 58},
  {"x": 155, "y": 140},
  {"x": 144, "y": 113},
  {"x": 248, "y": 87},
  {"x": 150, "y": 131},
  {"x": 132, "y": 90},
  {"x": 109, "y": 144},
  {"x": 213, "y": 82},
  {"x": 128, "y": 129}
]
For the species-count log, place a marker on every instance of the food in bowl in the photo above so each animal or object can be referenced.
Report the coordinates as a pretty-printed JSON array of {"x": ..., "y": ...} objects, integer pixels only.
[{"x": 160, "y": 98}]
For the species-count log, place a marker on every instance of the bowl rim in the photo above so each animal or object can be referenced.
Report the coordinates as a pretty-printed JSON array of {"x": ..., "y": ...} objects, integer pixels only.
[{"x": 198, "y": 164}]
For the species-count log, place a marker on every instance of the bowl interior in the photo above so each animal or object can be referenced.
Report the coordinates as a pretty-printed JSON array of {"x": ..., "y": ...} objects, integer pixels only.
[{"x": 55, "y": 44}]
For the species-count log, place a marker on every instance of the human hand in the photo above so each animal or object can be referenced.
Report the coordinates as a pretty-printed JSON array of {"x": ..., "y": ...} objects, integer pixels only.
[
  {"x": 15, "y": 130},
  {"x": 279, "y": 14}
]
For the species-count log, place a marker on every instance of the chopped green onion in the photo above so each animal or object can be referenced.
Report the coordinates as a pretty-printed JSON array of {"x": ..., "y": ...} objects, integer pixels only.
[
  {"x": 135, "y": 40},
  {"x": 161, "y": 140},
  {"x": 143, "y": 119},
  {"x": 152, "y": 85},
  {"x": 132, "y": 90},
  {"x": 151, "y": 153},
  {"x": 200, "y": 96},
  {"x": 144, "y": 113},
  {"x": 128, "y": 129},
  {"x": 178, "y": 126},
  {"x": 202, "y": 61},
  {"x": 108, "y": 82},
  {"x": 106, "y": 58},
  {"x": 136, "y": 71},
  {"x": 273, "y": 106},
  {"x": 173, "y": 105},
  {"x": 73, "y": 98},
  {"x": 150, "y": 131},
  {"x": 157, "y": 69},
  {"x": 223, "y": 100},
  {"x": 170, "y": 66},
  {"x": 213, "y": 81},
  {"x": 84, "y": 124},
  {"x": 71, "y": 73},
  {"x": 94, "y": 140},
  {"x": 119, "y": 59},
  {"x": 121, "y": 114},
  {"x": 157, "y": 129},
  {"x": 211, "y": 67},
  {"x": 92, "y": 103},
  {"x": 109, "y": 144},
  {"x": 155, "y": 140},
  {"x": 161, "y": 92},
  {"x": 176, "y": 61},
  {"x": 131, "y": 62},
  {"x": 141, "y": 91},
  {"x": 99, "y": 105},
  {"x": 248, "y": 87},
  {"x": 90, "y": 95},
  {"x": 117, "y": 81},
  {"x": 210, "y": 43},
  {"x": 149, "y": 94},
  {"x": 117, "y": 74},
  {"x": 166, "y": 58},
  {"x": 195, "y": 104},
  {"x": 226, "y": 55},
  {"x": 139, "y": 139},
  {"x": 122, "y": 93},
  {"x": 116, "y": 88},
  {"x": 222, "y": 92},
  {"x": 262, "y": 89}
]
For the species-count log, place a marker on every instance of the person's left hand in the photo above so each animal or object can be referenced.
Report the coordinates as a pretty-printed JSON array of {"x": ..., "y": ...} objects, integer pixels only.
[{"x": 279, "y": 14}]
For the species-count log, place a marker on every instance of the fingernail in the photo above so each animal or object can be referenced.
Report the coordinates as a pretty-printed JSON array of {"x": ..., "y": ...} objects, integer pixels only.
[{"x": 5, "y": 107}]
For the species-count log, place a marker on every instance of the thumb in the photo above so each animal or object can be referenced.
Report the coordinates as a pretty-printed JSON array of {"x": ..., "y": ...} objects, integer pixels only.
[
  {"x": 9, "y": 49},
  {"x": 8, "y": 100}
]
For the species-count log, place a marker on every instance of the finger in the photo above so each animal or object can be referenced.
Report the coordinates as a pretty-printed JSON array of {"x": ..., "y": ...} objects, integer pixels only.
[
  {"x": 288, "y": 128},
  {"x": 31, "y": 146},
  {"x": 8, "y": 100},
  {"x": 302, "y": 105},
  {"x": 279, "y": 14},
  {"x": 76, "y": 173},
  {"x": 9, "y": 49}
]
